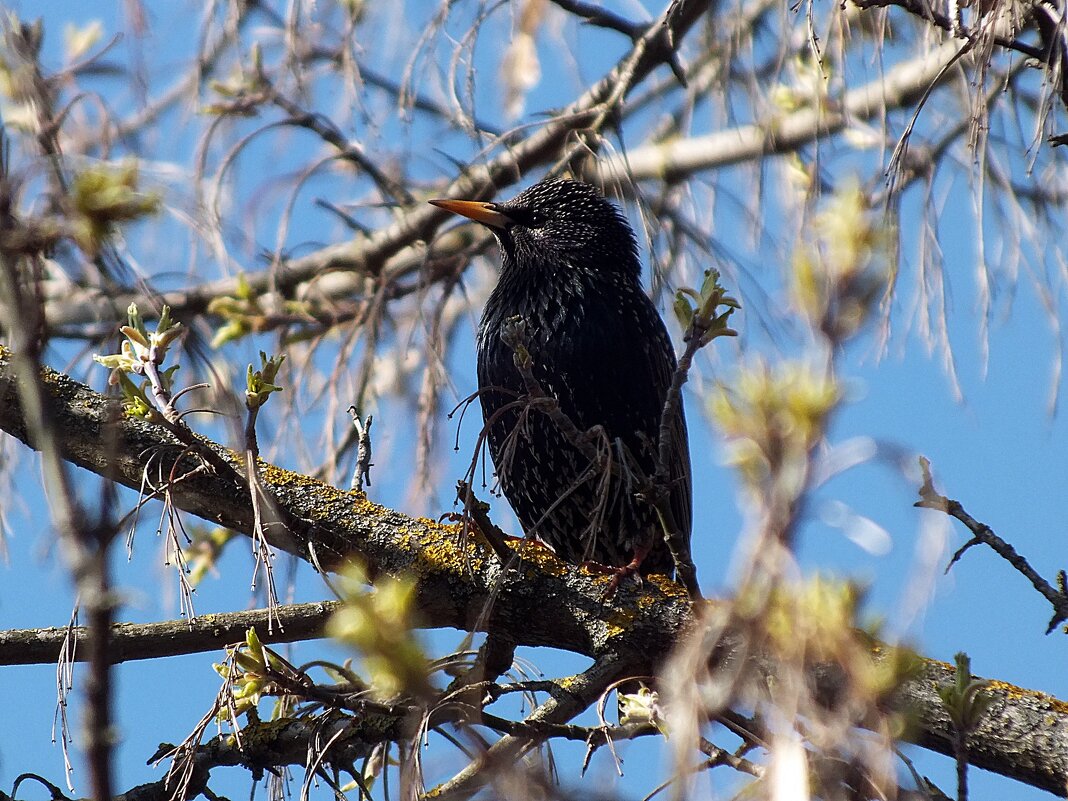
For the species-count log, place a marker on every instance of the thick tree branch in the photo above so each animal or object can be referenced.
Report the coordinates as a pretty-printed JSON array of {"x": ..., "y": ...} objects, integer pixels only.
[
  {"x": 677, "y": 158},
  {"x": 285, "y": 743},
  {"x": 1024, "y": 728}
]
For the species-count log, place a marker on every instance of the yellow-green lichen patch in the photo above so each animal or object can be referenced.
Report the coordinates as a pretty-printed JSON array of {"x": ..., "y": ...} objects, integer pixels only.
[
  {"x": 403, "y": 537},
  {"x": 327, "y": 498},
  {"x": 263, "y": 735},
  {"x": 206, "y": 621},
  {"x": 598, "y": 574},
  {"x": 445, "y": 553},
  {"x": 359, "y": 505},
  {"x": 1014, "y": 693},
  {"x": 534, "y": 553},
  {"x": 280, "y": 477},
  {"x": 1010, "y": 691},
  {"x": 565, "y": 682},
  {"x": 944, "y": 665},
  {"x": 618, "y": 621},
  {"x": 442, "y": 529},
  {"x": 647, "y": 601},
  {"x": 672, "y": 590},
  {"x": 50, "y": 376}
]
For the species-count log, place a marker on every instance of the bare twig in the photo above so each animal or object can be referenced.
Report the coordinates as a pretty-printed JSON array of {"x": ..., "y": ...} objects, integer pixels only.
[
  {"x": 477, "y": 512},
  {"x": 983, "y": 534},
  {"x": 571, "y": 696},
  {"x": 85, "y": 538}
]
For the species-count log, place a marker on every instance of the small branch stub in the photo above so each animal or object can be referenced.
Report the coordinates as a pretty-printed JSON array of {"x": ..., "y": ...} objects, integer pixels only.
[{"x": 362, "y": 474}]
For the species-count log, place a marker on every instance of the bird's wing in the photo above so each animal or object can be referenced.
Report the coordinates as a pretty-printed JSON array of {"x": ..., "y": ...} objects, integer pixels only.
[{"x": 632, "y": 356}]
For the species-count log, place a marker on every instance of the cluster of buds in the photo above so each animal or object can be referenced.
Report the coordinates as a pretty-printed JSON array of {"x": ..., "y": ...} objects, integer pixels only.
[
  {"x": 259, "y": 384},
  {"x": 104, "y": 196},
  {"x": 248, "y": 672},
  {"x": 142, "y": 353},
  {"x": 699, "y": 311},
  {"x": 772, "y": 419}
]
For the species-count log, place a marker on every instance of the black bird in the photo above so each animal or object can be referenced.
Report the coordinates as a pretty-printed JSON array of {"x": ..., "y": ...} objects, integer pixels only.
[{"x": 570, "y": 270}]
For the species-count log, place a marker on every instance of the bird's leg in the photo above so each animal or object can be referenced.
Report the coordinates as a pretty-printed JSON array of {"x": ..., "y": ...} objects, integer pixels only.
[
  {"x": 630, "y": 569},
  {"x": 618, "y": 574}
]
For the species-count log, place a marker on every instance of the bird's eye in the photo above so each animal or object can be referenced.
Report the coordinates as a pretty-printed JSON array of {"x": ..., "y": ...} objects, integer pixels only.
[{"x": 529, "y": 218}]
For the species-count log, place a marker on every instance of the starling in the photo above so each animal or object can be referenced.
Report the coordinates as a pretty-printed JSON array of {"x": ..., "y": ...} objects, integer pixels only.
[{"x": 570, "y": 271}]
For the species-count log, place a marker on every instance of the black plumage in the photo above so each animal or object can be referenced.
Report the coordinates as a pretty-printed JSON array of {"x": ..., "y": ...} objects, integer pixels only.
[{"x": 570, "y": 270}]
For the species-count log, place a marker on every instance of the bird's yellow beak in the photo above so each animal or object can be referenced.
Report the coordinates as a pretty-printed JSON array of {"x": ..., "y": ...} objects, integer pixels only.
[{"x": 485, "y": 213}]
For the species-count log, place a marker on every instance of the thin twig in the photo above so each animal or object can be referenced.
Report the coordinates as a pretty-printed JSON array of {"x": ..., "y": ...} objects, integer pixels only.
[
  {"x": 477, "y": 512},
  {"x": 983, "y": 534},
  {"x": 573, "y": 695}
]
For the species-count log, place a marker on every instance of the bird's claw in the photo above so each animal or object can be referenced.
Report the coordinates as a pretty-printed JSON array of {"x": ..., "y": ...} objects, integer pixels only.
[{"x": 618, "y": 574}]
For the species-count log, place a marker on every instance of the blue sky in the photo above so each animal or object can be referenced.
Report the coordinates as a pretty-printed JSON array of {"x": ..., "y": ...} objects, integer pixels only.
[{"x": 998, "y": 450}]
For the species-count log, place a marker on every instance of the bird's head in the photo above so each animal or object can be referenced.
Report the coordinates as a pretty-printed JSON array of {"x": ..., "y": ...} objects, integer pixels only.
[{"x": 566, "y": 222}]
